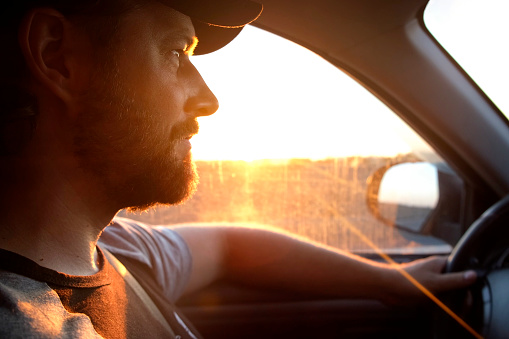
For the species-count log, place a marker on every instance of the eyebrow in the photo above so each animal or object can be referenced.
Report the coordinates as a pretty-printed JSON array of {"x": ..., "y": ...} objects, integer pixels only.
[
  {"x": 191, "y": 42},
  {"x": 191, "y": 46}
]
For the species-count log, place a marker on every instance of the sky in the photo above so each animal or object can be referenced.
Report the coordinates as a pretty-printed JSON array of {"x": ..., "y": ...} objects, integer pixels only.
[{"x": 279, "y": 100}]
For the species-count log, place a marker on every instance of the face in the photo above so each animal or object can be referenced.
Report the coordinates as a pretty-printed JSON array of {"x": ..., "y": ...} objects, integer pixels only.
[{"x": 133, "y": 132}]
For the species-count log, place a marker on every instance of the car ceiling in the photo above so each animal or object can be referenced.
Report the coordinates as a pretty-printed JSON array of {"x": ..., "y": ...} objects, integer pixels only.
[{"x": 385, "y": 47}]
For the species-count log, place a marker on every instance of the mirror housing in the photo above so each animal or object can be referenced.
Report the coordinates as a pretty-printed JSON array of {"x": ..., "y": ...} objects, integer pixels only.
[{"x": 422, "y": 198}]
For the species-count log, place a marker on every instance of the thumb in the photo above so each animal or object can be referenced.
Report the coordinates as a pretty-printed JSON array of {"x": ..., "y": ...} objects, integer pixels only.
[{"x": 450, "y": 281}]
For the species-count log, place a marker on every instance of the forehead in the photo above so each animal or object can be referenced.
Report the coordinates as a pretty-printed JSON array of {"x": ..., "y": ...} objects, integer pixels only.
[{"x": 160, "y": 20}]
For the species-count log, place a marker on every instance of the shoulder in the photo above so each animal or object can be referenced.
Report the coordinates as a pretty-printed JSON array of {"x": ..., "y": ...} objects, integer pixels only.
[
  {"x": 160, "y": 248},
  {"x": 146, "y": 243},
  {"x": 30, "y": 308}
]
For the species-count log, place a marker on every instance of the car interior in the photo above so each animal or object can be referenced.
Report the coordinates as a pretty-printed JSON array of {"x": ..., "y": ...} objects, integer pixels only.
[{"x": 439, "y": 191}]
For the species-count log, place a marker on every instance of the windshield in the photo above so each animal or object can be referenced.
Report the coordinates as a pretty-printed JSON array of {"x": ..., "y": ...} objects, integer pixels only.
[
  {"x": 474, "y": 33},
  {"x": 294, "y": 145}
]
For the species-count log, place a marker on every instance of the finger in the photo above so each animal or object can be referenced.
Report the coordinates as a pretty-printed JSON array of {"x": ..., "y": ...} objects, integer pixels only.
[
  {"x": 437, "y": 263},
  {"x": 449, "y": 281},
  {"x": 433, "y": 264}
]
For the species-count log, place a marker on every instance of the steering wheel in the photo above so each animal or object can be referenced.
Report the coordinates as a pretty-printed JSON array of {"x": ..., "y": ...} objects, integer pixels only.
[{"x": 484, "y": 248}]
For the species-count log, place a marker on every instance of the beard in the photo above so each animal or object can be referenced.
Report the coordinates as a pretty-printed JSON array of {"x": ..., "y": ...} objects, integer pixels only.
[
  {"x": 162, "y": 177},
  {"x": 131, "y": 152},
  {"x": 166, "y": 178}
]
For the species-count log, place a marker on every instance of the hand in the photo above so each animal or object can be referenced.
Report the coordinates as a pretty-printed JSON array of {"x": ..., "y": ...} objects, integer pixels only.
[{"x": 416, "y": 279}]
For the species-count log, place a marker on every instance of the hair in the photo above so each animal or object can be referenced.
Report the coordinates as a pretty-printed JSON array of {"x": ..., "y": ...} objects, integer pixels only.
[{"x": 18, "y": 107}]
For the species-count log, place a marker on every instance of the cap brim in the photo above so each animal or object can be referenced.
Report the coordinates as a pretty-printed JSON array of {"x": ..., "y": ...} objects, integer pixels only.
[
  {"x": 212, "y": 38},
  {"x": 217, "y": 22}
]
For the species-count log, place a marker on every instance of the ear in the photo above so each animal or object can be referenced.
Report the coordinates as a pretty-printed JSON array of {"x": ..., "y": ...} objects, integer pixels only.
[{"x": 45, "y": 38}]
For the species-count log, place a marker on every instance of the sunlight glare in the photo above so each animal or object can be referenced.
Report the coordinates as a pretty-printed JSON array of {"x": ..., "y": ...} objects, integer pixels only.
[{"x": 278, "y": 100}]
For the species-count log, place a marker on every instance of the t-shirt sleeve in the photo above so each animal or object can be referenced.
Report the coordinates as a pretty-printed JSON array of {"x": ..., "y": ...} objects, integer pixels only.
[{"x": 158, "y": 247}]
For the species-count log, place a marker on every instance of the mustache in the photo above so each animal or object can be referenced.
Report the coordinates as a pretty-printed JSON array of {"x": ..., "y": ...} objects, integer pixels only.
[{"x": 184, "y": 129}]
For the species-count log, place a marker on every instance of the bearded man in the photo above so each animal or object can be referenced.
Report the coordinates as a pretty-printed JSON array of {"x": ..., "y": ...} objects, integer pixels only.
[{"x": 99, "y": 101}]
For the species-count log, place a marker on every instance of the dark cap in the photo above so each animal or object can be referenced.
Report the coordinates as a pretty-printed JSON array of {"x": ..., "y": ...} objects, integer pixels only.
[{"x": 216, "y": 22}]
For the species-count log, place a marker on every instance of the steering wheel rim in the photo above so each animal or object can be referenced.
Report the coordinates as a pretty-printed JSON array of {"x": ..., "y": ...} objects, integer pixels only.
[
  {"x": 477, "y": 249},
  {"x": 462, "y": 258}
]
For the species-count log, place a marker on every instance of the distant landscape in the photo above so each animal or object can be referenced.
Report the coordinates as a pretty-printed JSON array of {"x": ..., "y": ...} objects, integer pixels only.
[{"x": 323, "y": 200}]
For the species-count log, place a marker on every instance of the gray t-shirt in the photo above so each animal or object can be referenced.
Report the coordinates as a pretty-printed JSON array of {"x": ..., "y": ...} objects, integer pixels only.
[
  {"x": 36, "y": 302},
  {"x": 158, "y": 247}
]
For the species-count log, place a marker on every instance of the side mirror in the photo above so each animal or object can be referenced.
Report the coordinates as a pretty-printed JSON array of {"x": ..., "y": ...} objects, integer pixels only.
[
  {"x": 405, "y": 195},
  {"x": 419, "y": 197}
]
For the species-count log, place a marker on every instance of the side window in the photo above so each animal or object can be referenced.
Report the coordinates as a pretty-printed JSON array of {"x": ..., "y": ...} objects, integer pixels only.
[
  {"x": 480, "y": 49},
  {"x": 299, "y": 145}
]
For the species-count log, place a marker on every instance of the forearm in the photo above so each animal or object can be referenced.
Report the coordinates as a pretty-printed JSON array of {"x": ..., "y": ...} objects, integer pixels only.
[
  {"x": 268, "y": 258},
  {"x": 279, "y": 260},
  {"x": 273, "y": 259}
]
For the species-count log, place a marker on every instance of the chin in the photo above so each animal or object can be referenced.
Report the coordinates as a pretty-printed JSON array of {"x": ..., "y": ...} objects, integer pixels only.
[{"x": 174, "y": 187}]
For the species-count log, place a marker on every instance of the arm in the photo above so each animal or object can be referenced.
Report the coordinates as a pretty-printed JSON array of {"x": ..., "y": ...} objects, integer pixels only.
[{"x": 270, "y": 258}]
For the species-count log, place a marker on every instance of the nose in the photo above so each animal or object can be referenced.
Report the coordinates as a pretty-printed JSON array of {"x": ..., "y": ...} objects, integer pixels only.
[{"x": 201, "y": 101}]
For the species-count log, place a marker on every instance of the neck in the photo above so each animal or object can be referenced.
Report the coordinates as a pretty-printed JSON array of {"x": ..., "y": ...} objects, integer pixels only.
[{"x": 52, "y": 223}]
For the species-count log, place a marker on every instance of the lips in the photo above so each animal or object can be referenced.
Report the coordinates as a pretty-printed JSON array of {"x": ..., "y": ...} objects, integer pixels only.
[{"x": 184, "y": 130}]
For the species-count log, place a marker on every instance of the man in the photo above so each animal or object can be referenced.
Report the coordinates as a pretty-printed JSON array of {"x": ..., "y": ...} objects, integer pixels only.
[{"x": 99, "y": 103}]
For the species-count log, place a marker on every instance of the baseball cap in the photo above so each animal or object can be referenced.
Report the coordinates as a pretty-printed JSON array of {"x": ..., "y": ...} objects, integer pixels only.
[{"x": 216, "y": 22}]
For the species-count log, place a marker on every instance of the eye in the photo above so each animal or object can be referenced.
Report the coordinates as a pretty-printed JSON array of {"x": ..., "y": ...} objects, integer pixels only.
[
  {"x": 180, "y": 54},
  {"x": 177, "y": 52}
]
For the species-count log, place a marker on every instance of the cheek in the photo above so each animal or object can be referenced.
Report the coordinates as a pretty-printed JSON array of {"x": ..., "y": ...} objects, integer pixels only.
[
  {"x": 145, "y": 89},
  {"x": 152, "y": 76},
  {"x": 160, "y": 95}
]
